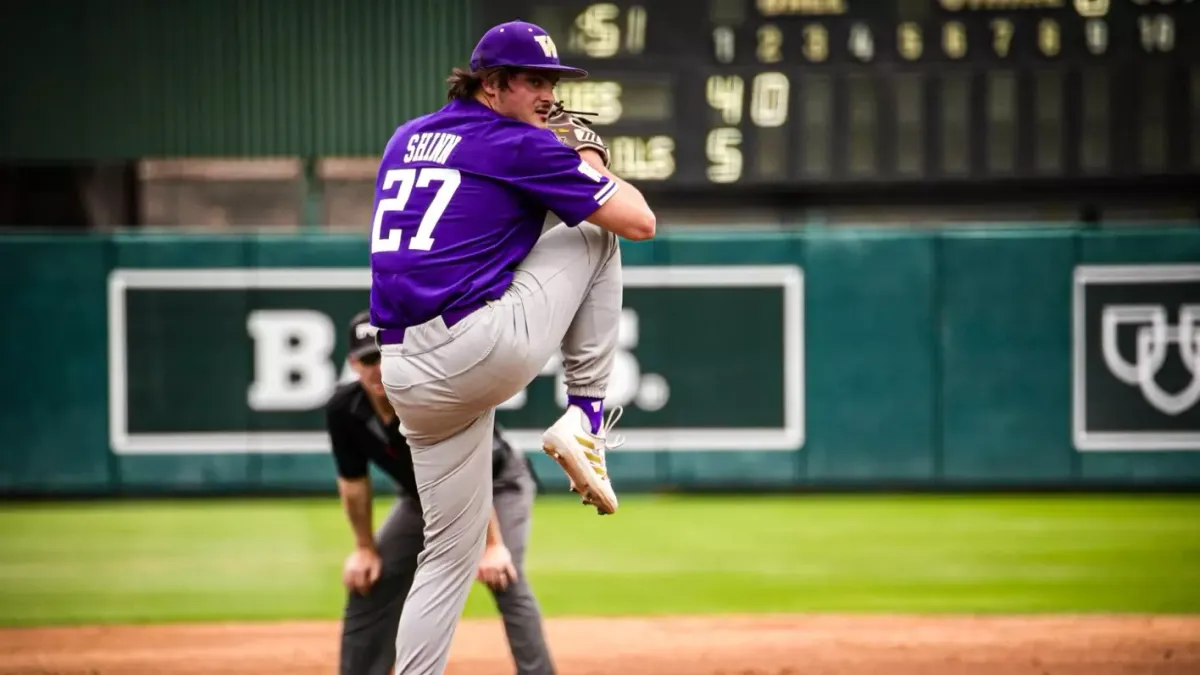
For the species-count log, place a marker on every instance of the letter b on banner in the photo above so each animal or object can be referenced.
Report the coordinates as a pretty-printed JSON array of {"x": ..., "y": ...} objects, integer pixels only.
[{"x": 293, "y": 367}]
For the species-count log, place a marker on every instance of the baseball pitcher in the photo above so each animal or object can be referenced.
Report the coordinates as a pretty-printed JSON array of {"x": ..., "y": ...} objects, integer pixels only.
[
  {"x": 471, "y": 299},
  {"x": 363, "y": 430}
]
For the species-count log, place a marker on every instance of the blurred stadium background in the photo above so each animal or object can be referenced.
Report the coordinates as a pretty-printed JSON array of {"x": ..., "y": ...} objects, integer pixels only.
[{"x": 947, "y": 247}]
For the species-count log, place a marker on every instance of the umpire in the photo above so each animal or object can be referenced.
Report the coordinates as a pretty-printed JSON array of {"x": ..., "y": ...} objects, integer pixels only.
[{"x": 363, "y": 428}]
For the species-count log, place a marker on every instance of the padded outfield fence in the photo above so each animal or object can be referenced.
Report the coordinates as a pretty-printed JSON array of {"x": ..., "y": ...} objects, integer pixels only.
[{"x": 1001, "y": 357}]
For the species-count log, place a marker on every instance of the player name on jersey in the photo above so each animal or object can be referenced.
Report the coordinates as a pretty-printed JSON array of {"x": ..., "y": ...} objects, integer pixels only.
[
  {"x": 241, "y": 360},
  {"x": 431, "y": 147}
]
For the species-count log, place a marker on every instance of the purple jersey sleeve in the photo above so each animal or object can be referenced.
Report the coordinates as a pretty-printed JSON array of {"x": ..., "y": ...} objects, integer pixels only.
[{"x": 558, "y": 178}]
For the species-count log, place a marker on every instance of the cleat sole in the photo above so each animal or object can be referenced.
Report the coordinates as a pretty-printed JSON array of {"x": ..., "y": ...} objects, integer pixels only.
[{"x": 588, "y": 495}]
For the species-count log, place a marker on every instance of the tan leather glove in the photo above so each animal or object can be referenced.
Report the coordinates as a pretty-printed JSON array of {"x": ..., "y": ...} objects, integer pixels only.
[{"x": 575, "y": 131}]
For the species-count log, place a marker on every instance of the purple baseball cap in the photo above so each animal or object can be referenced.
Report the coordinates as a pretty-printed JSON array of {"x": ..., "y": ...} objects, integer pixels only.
[{"x": 519, "y": 44}]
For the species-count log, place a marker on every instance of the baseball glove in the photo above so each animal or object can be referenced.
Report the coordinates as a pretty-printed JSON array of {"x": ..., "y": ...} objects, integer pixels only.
[{"x": 572, "y": 128}]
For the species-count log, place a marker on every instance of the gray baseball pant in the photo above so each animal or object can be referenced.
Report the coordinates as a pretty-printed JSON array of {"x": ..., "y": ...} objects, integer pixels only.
[
  {"x": 445, "y": 384},
  {"x": 369, "y": 621}
]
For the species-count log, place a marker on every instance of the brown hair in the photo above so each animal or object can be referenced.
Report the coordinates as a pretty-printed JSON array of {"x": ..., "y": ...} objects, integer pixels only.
[{"x": 465, "y": 84}]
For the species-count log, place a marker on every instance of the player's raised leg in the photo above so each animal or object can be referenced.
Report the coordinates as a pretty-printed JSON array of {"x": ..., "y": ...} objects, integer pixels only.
[
  {"x": 578, "y": 440},
  {"x": 567, "y": 294}
]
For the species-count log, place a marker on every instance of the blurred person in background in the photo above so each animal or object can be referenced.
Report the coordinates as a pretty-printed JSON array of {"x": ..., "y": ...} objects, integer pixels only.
[{"x": 378, "y": 574}]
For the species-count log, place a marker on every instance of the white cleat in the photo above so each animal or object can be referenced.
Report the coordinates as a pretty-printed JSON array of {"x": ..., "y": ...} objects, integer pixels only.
[{"x": 581, "y": 454}]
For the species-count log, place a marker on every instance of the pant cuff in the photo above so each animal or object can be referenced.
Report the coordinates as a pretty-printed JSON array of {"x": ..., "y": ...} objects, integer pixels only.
[{"x": 589, "y": 392}]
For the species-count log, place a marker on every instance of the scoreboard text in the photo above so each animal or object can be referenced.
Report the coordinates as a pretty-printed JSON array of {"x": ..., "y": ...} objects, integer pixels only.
[{"x": 795, "y": 92}]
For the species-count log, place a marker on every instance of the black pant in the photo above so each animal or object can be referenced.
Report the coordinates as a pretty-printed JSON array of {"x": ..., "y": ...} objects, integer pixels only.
[{"x": 369, "y": 622}]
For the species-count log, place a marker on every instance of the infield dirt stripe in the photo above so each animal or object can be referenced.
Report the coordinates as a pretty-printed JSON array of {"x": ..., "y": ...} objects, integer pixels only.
[{"x": 762, "y": 645}]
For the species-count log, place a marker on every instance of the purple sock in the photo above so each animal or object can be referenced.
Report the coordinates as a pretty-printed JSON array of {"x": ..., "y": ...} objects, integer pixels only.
[{"x": 592, "y": 407}]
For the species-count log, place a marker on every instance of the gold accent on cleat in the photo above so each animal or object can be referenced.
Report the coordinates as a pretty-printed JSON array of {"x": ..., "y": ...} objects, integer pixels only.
[
  {"x": 595, "y": 460},
  {"x": 579, "y": 482}
]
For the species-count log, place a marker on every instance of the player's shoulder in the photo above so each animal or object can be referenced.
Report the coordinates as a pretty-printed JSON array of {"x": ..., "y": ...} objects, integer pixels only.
[
  {"x": 524, "y": 135},
  {"x": 531, "y": 150}
]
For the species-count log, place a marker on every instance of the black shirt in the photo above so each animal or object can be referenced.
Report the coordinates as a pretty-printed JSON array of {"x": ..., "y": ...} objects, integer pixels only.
[{"x": 359, "y": 437}]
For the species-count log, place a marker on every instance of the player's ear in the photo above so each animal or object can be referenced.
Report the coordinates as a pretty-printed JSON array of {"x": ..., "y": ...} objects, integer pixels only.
[
  {"x": 487, "y": 82},
  {"x": 495, "y": 81}
]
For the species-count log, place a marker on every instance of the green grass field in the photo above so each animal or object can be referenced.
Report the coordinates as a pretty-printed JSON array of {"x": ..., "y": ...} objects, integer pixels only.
[{"x": 217, "y": 560}]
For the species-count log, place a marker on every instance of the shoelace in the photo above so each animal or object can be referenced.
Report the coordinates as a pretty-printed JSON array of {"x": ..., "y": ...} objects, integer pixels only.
[{"x": 607, "y": 425}]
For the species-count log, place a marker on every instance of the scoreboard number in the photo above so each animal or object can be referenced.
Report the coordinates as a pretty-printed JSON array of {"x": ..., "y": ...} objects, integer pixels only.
[
  {"x": 862, "y": 45},
  {"x": 908, "y": 40},
  {"x": 770, "y": 44},
  {"x": 723, "y": 149},
  {"x": 1002, "y": 35},
  {"x": 954, "y": 39},
  {"x": 723, "y": 44},
  {"x": 1049, "y": 37},
  {"x": 724, "y": 94},
  {"x": 769, "y": 94},
  {"x": 769, "y": 100},
  {"x": 1158, "y": 32},
  {"x": 1096, "y": 33},
  {"x": 816, "y": 43}
]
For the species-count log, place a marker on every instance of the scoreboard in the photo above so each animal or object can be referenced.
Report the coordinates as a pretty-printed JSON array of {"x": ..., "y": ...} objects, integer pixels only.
[{"x": 786, "y": 94}]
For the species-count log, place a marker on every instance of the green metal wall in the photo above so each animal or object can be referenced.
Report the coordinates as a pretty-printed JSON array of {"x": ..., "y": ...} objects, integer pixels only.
[
  {"x": 99, "y": 80},
  {"x": 821, "y": 358}
]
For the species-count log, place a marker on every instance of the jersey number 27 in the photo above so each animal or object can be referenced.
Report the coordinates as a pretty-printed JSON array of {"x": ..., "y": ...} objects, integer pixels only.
[{"x": 447, "y": 180}]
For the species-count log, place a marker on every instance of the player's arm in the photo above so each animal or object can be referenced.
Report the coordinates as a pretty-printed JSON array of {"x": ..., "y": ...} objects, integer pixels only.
[
  {"x": 578, "y": 187},
  {"x": 625, "y": 214}
]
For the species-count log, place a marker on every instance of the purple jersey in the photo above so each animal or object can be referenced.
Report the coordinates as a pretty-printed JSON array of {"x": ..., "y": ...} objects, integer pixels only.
[{"x": 460, "y": 199}]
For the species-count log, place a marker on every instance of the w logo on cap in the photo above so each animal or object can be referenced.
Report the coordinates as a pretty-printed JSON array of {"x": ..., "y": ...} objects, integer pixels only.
[{"x": 548, "y": 46}]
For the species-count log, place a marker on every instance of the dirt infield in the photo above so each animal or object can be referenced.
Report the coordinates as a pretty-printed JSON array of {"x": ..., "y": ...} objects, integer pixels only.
[{"x": 772, "y": 645}]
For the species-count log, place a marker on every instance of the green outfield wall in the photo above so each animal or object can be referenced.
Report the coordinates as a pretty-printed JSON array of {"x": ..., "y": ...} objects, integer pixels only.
[{"x": 980, "y": 357}]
